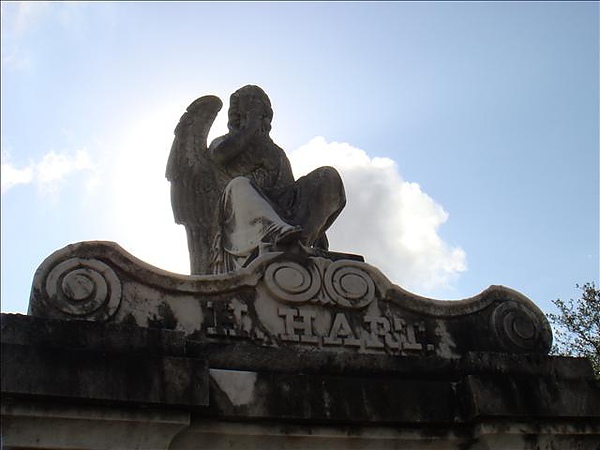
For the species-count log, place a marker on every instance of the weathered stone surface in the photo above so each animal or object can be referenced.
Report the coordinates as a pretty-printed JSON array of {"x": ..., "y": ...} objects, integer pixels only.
[
  {"x": 269, "y": 397},
  {"x": 28, "y": 425},
  {"x": 104, "y": 376},
  {"x": 91, "y": 336},
  {"x": 299, "y": 397},
  {"x": 284, "y": 300},
  {"x": 78, "y": 362},
  {"x": 485, "y": 436}
]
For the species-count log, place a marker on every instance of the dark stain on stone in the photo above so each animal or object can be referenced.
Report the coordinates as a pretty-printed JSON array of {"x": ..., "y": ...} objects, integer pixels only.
[{"x": 165, "y": 318}]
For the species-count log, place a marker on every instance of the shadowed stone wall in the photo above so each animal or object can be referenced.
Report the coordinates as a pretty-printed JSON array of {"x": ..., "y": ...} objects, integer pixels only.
[{"x": 77, "y": 384}]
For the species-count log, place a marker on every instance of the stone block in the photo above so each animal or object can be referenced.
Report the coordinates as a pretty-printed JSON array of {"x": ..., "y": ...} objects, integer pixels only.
[
  {"x": 38, "y": 425},
  {"x": 99, "y": 363},
  {"x": 155, "y": 388}
]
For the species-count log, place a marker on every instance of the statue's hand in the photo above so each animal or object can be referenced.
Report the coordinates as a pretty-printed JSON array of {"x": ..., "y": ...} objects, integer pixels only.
[{"x": 227, "y": 147}]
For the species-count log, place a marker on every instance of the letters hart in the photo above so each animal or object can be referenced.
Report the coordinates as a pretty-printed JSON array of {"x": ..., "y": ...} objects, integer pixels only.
[{"x": 313, "y": 326}]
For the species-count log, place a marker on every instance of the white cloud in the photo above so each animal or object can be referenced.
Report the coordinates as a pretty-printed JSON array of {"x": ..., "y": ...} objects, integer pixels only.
[
  {"x": 11, "y": 176},
  {"x": 56, "y": 166},
  {"x": 390, "y": 221},
  {"x": 49, "y": 173}
]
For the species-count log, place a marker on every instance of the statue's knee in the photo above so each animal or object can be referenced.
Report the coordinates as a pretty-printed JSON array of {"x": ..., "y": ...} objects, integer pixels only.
[
  {"x": 329, "y": 177},
  {"x": 332, "y": 182}
]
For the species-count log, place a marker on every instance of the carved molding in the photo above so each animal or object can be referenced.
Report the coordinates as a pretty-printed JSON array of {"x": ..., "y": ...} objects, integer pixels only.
[
  {"x": 291, "y": 282},
  {"x": 284, "y": 299},
  {"x": 83, "y": 288},
  {"x": 341, "y": 283},
  {"x": 517, "y": 327}
]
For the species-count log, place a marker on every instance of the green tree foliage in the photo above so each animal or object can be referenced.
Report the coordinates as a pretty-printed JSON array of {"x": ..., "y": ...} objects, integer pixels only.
[{"x": 577, "y": 326}]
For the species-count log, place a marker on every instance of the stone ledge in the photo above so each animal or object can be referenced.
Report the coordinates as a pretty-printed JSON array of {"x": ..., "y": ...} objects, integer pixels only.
[
  {"x": 479, "y": 401},
  {"x": 484, "y": 435},
  {"x": 94, "y": 362},
  {"x": 239, "y": 355},
  {"x": 503, "y": 395},
  {"x": 92, "y": 376},
  {"x": 29, "y": 425},
  {"x": 91, "y": 336}
]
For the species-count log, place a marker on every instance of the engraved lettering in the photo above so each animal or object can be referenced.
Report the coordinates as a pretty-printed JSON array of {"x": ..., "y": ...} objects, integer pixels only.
[
  {"x": 212, "y": 330},
  {"x": 304, "y": 325},
  {"x": 393, "y": 334},
  {"x": 379, "y": 336},
  {"x": 239, "y": 310},
  {"x": 341, "y": 333},
  {"x": 399, "y": 324},
  {"x": 411, "y": 337}
]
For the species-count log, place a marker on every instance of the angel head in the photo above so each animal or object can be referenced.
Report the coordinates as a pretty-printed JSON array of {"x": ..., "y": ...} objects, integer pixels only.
[{"x": 246, "y": 101}]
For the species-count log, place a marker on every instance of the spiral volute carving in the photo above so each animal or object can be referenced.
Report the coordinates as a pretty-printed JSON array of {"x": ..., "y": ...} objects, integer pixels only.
[
  {"x": 349, "y": 286},
  {"x": 84, "y": 289},
  {"x": 338, "y": 283},
  {"x": 517, "y": 328},
  {"x": 292, "y": 282}
]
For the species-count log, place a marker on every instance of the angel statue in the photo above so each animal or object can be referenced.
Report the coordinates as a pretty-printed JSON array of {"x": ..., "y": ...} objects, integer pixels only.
[{"x": 237, "y": 198}]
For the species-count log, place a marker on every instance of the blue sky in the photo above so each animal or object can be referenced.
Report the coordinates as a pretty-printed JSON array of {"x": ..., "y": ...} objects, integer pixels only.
[{"x": 466, "y": 133}]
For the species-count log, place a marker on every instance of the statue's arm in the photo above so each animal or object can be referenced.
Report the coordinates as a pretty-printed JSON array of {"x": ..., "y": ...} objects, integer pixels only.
[
  {"x": 225, "y": 148},
  {"x": 285, "y": 175}
]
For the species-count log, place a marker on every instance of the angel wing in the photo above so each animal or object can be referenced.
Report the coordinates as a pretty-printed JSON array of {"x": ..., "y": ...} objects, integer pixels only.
[{"x": 195, "y": 190}]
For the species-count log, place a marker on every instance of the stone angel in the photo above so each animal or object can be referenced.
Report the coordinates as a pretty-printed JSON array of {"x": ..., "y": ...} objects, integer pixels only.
[{"x": 238, "y": 198}]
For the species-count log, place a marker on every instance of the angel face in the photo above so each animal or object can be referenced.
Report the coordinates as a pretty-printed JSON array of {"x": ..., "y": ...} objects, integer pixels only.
[{"x": 247, "y": 102}]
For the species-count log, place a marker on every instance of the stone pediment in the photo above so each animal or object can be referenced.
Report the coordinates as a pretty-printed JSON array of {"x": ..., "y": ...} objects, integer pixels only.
[{"x": 327, "y": 303}]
